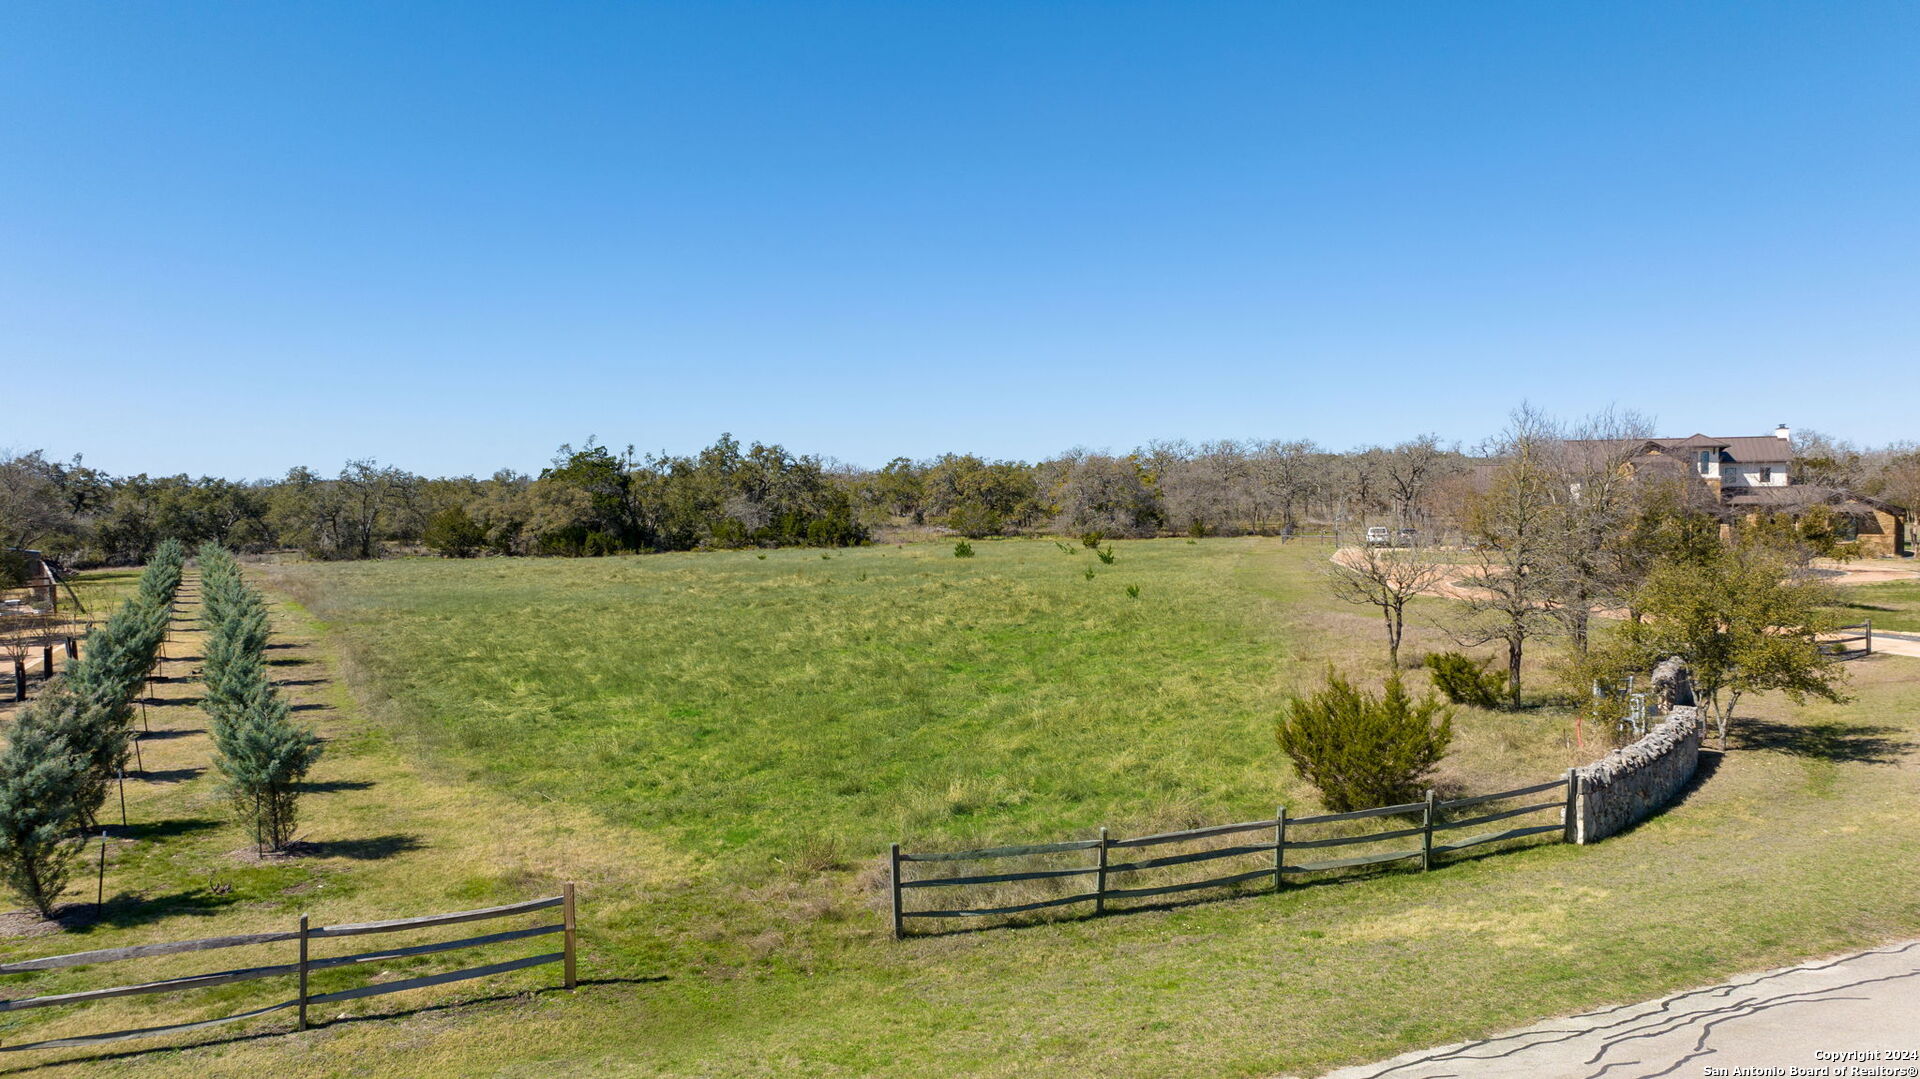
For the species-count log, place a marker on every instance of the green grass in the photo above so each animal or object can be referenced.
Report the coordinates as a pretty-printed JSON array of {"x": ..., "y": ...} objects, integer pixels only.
[
  {"x": 1893, "y": 606},
  {"x": 719, "y": 747}
]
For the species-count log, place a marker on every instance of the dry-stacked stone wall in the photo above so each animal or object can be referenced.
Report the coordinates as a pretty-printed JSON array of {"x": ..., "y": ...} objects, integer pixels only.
[{"x": 1632, "y": 783}]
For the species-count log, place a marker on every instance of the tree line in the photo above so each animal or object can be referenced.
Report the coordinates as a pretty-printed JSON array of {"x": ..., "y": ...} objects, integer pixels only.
[{"x": 596, "y": 500}]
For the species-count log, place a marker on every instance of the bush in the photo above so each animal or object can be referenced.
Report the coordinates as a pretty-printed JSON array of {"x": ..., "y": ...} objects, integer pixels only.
[
  {"x": 15, "y": 569},
  {"x": 974, "y": 521},
  {"x": 453, "y": 533},
  {"x": 1363, "y": 750},
  {"x": 963, "y": 549},
  {"x": 1133, "y": 591},
  {"x": 1106, "y": 555},
  {"x": 1464, "y": 681},
  {"x": 1092, "y": 539}
]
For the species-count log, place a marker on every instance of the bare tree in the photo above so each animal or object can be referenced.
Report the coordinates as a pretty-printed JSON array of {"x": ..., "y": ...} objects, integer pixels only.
[
  {"x": 1409, "y": 471},
  {"x": 1594, "y": 483},
  {"x": 19, "y": 631},
  {"x": 1514, "y": 525},
  {"x": 1386, "y": 578},
  {"x": 1280, "y": 478}
]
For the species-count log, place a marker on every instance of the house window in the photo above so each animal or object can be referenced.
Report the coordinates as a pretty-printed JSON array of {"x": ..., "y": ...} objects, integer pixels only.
[
  {"x": 1706, "y": 459},
  {"x": 1766, "y": 475}
]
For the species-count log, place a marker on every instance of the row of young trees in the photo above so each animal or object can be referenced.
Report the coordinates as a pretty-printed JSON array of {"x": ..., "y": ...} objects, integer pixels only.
[
  {"x": 261, "y": 754},
  {"x": 69, "y": 745}
]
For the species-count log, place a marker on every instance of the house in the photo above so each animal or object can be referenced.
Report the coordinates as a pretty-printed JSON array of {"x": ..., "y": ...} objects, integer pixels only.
[
  {"x": 1740, "y": 462},
  {"x": 1752, "y": 475}
]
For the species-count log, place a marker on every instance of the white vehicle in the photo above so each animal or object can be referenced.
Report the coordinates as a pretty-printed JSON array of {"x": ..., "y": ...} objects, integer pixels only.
[{"x": 1379, "y": 536}]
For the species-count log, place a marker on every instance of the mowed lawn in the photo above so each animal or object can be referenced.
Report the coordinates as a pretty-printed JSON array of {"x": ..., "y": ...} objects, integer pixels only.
[
  {"x": 1894, "y": 606},
  {"x": 720, "y": 746}
]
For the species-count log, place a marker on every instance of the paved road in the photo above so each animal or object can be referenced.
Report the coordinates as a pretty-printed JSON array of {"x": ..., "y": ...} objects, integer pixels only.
[
  {"x": 1781, "y": 1019},
  {"x": 1896, "y": 644}
]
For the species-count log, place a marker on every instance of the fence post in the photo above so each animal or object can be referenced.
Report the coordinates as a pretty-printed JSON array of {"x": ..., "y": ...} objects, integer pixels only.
[
  {"x": 1573, "y": 806},
  {"x": 1100, "y": 880},
  {"x": 567, "y": 932},
  {"x": 1869, "y": 625},
  {"x": 1279, "y": 846},
  {"x": 898, "y": 926},
  {"x": 303, "y": 972},
  {"x": 1426, "y": 836}
]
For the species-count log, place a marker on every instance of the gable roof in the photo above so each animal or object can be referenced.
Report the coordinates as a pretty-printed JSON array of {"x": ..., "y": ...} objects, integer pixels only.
[{"x": 1745, "y": 449}]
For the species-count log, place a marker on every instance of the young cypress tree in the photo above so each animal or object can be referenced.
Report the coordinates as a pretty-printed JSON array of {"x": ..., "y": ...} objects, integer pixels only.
[
  {"x": 264, "y": 756},
  {"x": 234, "y": 667},
  {"x": 41, "y": 816},
  {"x": 86, "y": 725}
]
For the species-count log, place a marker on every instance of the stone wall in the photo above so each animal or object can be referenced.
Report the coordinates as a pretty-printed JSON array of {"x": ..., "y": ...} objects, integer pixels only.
[{"x": 1632, "y": 783}]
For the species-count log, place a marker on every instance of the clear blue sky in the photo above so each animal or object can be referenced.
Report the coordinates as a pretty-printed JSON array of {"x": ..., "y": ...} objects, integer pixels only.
[{"x": 238, "y": 237}]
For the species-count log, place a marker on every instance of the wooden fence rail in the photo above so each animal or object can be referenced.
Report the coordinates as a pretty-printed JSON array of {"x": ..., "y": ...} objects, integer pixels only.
[
  {"x": 305, "y": 965},
  {"x": 1284, "y": 834},
  {"x": 1864, "y": 637}
]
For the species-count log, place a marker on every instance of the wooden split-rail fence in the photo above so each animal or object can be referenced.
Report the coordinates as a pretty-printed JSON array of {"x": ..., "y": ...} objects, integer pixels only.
[
  {"x": 1862, "y": 635},
  {"x": 301, "y": 969},
  {"x": 1289, "y": 835}
]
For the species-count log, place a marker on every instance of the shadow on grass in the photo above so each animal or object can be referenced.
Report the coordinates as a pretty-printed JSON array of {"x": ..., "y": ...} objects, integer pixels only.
[
  {"x": 331, "y": 786},
  {"x": 1855, "y": 605},
  {"x": 1856, "y": 743},
  {"x": 173, "y": 702},
  {"x": 1710, "y": 761},
  {"x": 370, "y": 849},
  {"x": 169, "y": 775},
  {"x": 373, "y": 1017},
  {"x": 165, "y": 733},
  {"x": 289, "y": 661},
  {"x": 303, "y": 682},
  {"x": 129, "y": 909},
  {"x": 168, "y": 829}
]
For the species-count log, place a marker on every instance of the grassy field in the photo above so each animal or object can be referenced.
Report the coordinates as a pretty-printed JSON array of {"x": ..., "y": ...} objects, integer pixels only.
[
  {"x": 719, "y": 747},
  {"x": 1894, "y": 606}
]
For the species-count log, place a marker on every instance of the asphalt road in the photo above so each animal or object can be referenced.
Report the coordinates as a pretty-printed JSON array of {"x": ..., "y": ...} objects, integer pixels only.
[{"x": 1807, "y": 1017}]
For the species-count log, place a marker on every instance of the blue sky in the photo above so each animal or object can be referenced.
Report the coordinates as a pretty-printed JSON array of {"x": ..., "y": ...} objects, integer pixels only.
[{"x": 235, "y": 238}]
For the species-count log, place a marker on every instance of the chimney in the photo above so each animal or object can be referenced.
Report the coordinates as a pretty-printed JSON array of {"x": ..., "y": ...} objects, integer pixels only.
[{"x": 1783, "y": 433}]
